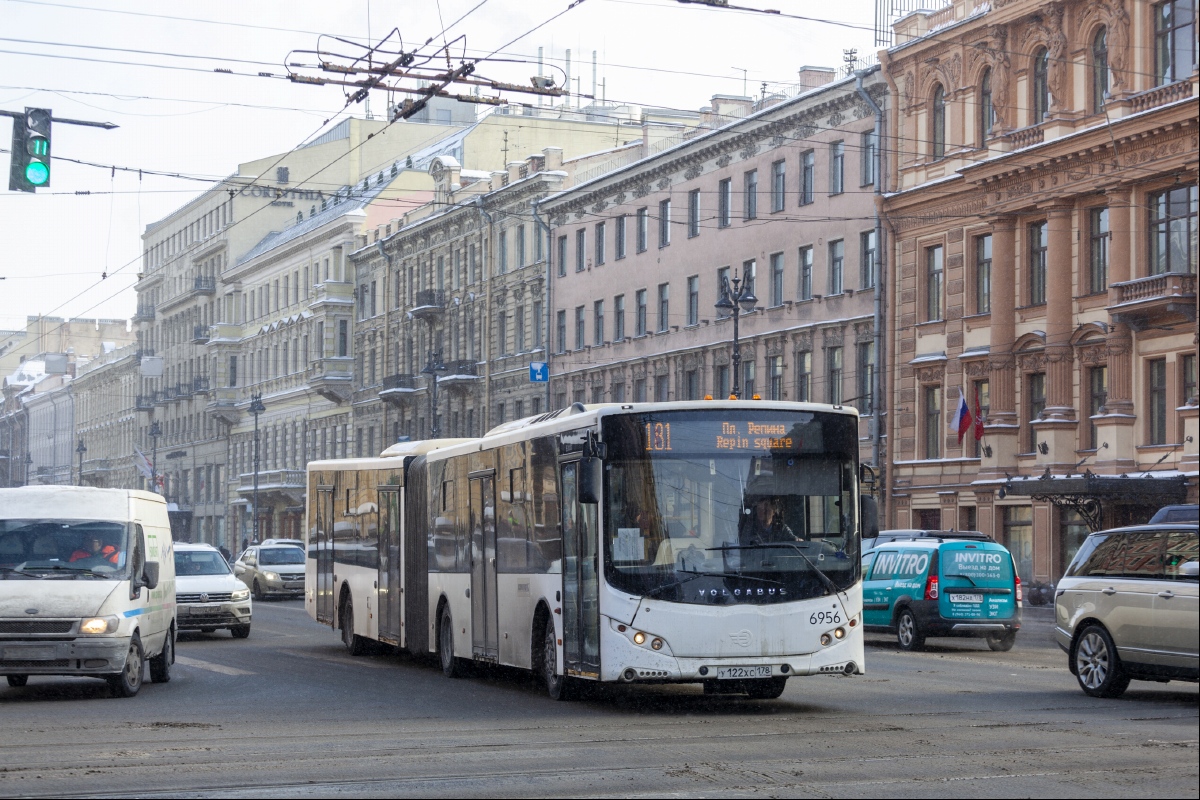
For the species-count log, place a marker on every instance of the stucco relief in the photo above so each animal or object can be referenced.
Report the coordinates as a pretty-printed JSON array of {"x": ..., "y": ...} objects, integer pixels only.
[
  {"x": 835, "y": 119},
  {"x": 663, "y": 183},
  {"x": 724, "y": 160},
  {"x": 1118, "y": 44},
  {"x": 806, "y": 131},
  {"x": 600, "y": 206},
  {"x": 802, "y": 341},
  {"x": 749, "y": 151},
  {"x": 641, "y": 190},
  {"x": 930, "y": 374},
  {"x": 1001, "y": 79},
  {"x": 693, "y": 172},
  {"x": 976, "y": 368}
]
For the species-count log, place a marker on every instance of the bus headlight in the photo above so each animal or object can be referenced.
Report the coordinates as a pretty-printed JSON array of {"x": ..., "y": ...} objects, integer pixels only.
[
  {"x": 238, "y": 595},
  {"x": 639, "y": 638},
  {"x": 99, "y": 625},
  {"x": 840, "y": 633},
  {"x": 657, "y": 644},
  {"x": 826, "y": 639}
]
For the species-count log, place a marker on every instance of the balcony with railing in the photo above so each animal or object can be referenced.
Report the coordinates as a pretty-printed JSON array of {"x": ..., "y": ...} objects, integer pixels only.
[
  {"x": 183, "y": 390},
  {"x": 429, "y": 304},
  {"x": 332, "y": 378},
  {"x": 200, "y": 384},
  {"x": 1166, "y": 299},
  {"x": 1027, "y": 137},
  {"x": 144, "y": 402},
  {"x": 1160, "y": 96},
  {"x": 223, "y": 404},
  {"x": 161, "y": 397},
  {"x": 204, "y": 284},
  {"x": 400, "y": 389},
  {"x": 287, "y": 485},
  {"x": 144, "y": 313},
  {"x": 460, "y": 375},
  {"x": 201, "y": 334},
  {"x": 332, "y": 294}
]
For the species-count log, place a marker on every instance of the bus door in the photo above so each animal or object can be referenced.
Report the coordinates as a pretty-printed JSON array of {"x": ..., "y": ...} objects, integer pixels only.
[
  {"x": 484, "y": 623},
  {"x": 324, "y": 588},
  {"x": 388, "y": 580},
  {"x": 581, "y": 583}
]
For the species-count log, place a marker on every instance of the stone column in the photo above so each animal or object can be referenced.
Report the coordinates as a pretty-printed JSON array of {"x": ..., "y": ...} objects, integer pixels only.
[
  {"x": 1002, "y": 426},
  {"x": 1057, "y": 428},
  {"x": 1115, "y": 425}
]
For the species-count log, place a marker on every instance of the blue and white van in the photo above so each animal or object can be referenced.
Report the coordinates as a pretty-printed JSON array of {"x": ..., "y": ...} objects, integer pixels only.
[{"x": 942, "y": 587}]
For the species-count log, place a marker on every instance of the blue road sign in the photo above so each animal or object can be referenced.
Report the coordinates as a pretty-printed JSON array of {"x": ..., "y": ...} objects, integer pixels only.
[{"x": 539, "y": 372}]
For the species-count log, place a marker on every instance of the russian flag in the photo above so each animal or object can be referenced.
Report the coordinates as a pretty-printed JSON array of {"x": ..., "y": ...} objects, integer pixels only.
[{"x": 960, "y": 423}]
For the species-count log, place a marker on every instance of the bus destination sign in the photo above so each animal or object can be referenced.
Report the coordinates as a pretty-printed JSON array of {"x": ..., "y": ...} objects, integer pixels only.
[{"x": 735, "y": 436}]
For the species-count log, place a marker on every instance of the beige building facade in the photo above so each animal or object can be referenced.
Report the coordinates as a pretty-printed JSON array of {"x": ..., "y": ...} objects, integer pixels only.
[{"x": 105, "y": 391}]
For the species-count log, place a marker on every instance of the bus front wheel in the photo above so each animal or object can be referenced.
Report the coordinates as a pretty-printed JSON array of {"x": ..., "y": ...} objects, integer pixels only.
[
  {"x": 451, "y": 666},
  {"x": 559, "y": 686},
  {"x": 355, "y": 644}
]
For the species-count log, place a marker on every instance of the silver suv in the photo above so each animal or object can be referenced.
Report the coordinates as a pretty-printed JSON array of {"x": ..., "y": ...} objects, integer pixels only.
[
  {"x": 1127, "y": 608},
  {"x": 272, "y": 570}
]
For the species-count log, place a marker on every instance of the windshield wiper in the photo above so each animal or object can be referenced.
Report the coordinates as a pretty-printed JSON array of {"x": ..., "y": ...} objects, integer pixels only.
[
  {"x": 76, "y": 570},
  {"x": 15, "y": 571},
  {"x": 825, "y": 579},
  {"x": 695, "y": 573},
  {"x": 967, "y": 577}
]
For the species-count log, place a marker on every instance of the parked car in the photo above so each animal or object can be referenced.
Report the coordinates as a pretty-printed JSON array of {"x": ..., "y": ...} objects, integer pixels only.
[
  {"x": 207, "y": 594},
  {"x": 272, "y": 570},
  {"x": 1181, "y": 513},
  {"x": 291, "y": 542},
  {"x": 1126, "y": 609},
  {"x": 942, "y": 587},
  {"x": 909, "y": 534}
]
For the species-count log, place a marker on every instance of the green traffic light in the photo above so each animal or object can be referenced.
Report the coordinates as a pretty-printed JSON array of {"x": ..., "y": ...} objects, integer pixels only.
[{"x": 37, "y": 173}]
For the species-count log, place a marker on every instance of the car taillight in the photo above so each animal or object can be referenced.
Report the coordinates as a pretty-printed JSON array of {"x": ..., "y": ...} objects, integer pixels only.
[
  {"x": 1020, "y": 594},
  {"x": 931, "y": 588}
]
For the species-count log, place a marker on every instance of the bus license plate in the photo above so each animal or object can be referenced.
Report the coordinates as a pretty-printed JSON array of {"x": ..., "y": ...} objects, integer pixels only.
[
  {"x": 739, "y": 673},
  {"x": 966, "y": 598}
]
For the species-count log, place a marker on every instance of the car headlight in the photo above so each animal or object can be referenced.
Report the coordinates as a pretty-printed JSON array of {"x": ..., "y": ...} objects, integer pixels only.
[
  {"x": 271, "y": 576},
  {"x": 99, "y": 625},
  {"x": 239, "y": 595}
]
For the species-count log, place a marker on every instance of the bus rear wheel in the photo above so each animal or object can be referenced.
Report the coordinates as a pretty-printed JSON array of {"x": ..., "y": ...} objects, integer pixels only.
[
  {"x": 558, "y": 686},
  {"x": 451, "y": 666}
]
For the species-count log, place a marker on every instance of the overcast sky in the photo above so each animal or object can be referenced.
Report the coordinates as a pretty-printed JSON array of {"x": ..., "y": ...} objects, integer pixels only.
[{"x": 149, "y": 68}]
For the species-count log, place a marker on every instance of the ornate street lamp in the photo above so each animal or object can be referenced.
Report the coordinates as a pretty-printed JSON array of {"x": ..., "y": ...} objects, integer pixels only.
[
  {"x": 28, "y": 466},
  {"x": 155, "y": 432},
  {"x": 432, "y": 367},
  {"x": 256, "y": 408},
  {"x": 736, "y": 293},
  {"x": 81, "y": 448}
]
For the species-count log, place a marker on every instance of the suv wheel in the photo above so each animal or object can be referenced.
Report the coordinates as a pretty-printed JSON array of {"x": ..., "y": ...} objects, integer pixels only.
[
  {"x": 1096, "y": 664},
  {"x": 908, "y": 632}
]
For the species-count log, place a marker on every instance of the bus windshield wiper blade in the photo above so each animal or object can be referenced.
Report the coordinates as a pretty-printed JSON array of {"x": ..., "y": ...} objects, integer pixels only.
[
  {"x": 825, "y": 579},
  {"x": 967, "y": 577},
  {"x": 730, "y": 575}
]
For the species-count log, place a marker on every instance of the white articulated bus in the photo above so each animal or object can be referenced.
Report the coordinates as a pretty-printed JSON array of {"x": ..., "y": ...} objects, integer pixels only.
[{"x": 703, "y": 542}]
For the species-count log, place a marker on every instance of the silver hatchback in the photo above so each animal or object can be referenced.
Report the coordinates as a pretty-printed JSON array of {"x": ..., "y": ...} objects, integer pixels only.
[
  {"x": 272, "y": 571},
  {"x": 1127, "y": 608}
]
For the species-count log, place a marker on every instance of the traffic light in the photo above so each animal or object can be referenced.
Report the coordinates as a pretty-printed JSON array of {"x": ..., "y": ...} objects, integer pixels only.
[{"x": 30, "y": 164}]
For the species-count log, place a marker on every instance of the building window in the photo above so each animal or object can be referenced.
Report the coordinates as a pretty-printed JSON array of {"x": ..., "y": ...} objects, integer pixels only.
[
  {"x": 837, "y": 263},
  {"x": 934, "y": 266},
  {"x": 640, "y": 312},
  {"x": 721, "y": 381},
  {"x": 520, "y": 248},
  {"x": 1040, "y": 102},
  {"x": 937, "y": 126},
  {"x": 778, "y": 185},
  {"x": 597, "y": 394},
  {"x": 1157, "y": 386},
  {"x": 233, "y": 371},
  {"x": 562, "y": 257},
  {"x": 1099, "y": 70},
  {"x": 537, "y": 323},
  {"x": 806, "y": 268},
  {"x": 580, "y": 326},
  {"x": 983, "y": 274},
  {"x": 664, "y": 290},
  {"x": 561, "y": 327},
  {"x": 1018, "y": 538},
  {"x": 693, "y": 300},
  {"x": 693, "y": 213},
  {"x": 598, "y": 323},
  {"x": 502, "y": 252},
  {"x": 723, "y": 283},
  {"x": 725, "y": 203},
  {"x": 837, "y": 167},
  {"x": 932, "y": 405},
  {"x": 1037, "y": 263},
  {"x": 691, "y": 385},
  {"x": 343, "y": 341},
  {"x": 1173, "y": 231},
  {"x": 868, "y": 151},
  {"x": 1097, "y": 397},
  {"x": 619, "y": 317},
  {"x": 1035, "y": 405},
  {"x": 618, "y": 392},
  {"x": 620, "y": 235},
  {"x": 774, "y": 377},
  {"x": 664, "y": 223},
  {"x": 983, "y": 402},
  {"x": 987, "y": 111},
  {"x": 1100, "y": 234},
  {"x": 777, "y": 279},
  {"x": 643, "y": 229},
  {"x": 866, "y": 377},
  {"x": 502, "y": 332},
  {"x": 662, "y": 388},
  {"x": 866, "y": 249},
  {"x": 580, "y": 250},
  {"x": 751, "y": 189},
  {"x": 1174, "y": 40},
  {"x": 750, "y": 276},
  {"x": 639, "y": 390},
  {"x": 804, "y": 376},
  {"x": 808, "y": 170},
  {"x": 749, "y": 373},
  {"x": 599, "y": 243},
  {"x": 833, "y": 375}
]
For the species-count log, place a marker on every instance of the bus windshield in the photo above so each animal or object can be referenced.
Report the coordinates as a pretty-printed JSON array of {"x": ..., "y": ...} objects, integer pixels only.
[
  {"x": 63, "y": 548},
  {"x": 723, "y": 508}
]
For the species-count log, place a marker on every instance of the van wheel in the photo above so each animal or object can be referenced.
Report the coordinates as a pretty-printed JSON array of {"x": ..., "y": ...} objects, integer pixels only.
[
  {"x": 766, "y": 688},
  {"x": 240, "y": 631},
  {"x": 160, "y": 665},
  {"x": 356, "y": 644},
  {"x": 128, "y": 681},
  {"x": 17, "y": 681},
  {"x": 1097, "y": 666},
  {"x": 558, "y": 686},
  {"x": 1002, "y": 642},
  {"x": 451, "y": 666},
  {"x": 908, "y": 632}
]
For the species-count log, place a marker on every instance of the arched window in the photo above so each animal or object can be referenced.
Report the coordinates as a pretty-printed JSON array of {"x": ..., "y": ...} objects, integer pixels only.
[
  {"x": 938, "y": 122},
  {"x": 1099, "y": 69},
  {"x": 987, "y": 112},
  {"x": 1041, "y": 86}
]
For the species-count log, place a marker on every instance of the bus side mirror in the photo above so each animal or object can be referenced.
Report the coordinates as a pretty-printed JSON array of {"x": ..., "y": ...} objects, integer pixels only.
[
  {"x": 868, "y": 517},
  {"x": 591, "y": 480}
]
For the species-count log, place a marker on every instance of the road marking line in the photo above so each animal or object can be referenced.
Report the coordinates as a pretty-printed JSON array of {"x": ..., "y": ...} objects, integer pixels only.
[{"x": 221, "y": 668}]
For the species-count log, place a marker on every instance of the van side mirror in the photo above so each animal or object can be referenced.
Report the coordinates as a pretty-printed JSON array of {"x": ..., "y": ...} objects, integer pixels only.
[
  {"x": 868, "y": 516},
  {"x": 591, "y": 480},
  {"x": 149, "y": 577}
]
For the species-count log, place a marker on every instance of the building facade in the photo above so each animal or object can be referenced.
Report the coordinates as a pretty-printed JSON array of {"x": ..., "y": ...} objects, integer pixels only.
[
  {"x": 779, "y": 198},
  {"x": 1045, "y": 225},
  {"x": 105, "y": 391}
]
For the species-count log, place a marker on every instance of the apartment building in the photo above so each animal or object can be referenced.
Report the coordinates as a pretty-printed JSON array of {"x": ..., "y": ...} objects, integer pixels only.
[
  {"x": 1046, "y": 241},
  {"x": 105, "y": 391}
]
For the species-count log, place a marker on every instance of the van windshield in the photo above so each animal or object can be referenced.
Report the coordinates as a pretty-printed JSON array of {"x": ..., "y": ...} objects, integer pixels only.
[{"x": 63, "y": 548}]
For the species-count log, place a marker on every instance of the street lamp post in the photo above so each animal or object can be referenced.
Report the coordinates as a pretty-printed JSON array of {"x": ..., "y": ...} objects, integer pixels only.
[
  {"x": 155, "y": 432},
  {"x": 28, "y": 466},
  {"x": 737, "y": 297},
  {"x": 256, "y": 408},
  {"x": 432, "y": 368},
  {"x": 81, "y": 448}
]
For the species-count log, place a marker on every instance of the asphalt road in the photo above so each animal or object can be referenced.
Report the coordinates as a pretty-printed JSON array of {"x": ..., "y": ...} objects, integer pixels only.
[{"x": 287, "y": 712}]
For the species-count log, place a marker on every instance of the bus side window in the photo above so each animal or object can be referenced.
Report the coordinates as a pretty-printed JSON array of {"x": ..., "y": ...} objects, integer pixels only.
[{"x": 545, "y": 536}]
